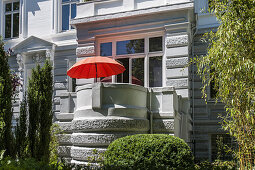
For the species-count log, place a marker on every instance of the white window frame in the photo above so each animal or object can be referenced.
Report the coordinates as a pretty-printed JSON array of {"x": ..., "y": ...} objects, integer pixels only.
[
  {"x": 146, "y": 55},
  {"x": 8, "y": 13},
  {"x": 61, "y": 12}
]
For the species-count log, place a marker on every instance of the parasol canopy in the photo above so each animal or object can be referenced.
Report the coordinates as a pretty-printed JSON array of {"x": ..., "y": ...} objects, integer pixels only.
[{"x": 94, "y": 67}]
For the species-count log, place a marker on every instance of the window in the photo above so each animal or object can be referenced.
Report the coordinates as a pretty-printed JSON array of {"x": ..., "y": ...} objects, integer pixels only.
[
  {"x": 155, "y": 71},
  {"x": 130, "y": 46},
  {"x": 106, "y": 49},
  {"x": 11, "y": 20},
  {"x": 68, "y": 12},
  {"x": 141, "y": 57}
]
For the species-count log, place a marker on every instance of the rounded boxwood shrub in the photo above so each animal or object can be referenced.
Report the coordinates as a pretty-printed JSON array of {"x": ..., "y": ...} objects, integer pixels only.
[{"x": 148, "y": 151}]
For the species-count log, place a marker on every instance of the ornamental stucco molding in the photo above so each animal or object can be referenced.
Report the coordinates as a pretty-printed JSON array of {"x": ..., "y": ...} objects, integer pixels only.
[
  {"x": 85, "y": 51},
  {"x": 175, "y": 41},
  {"x": 49, "y": 54},
  {"x": 20, "y": 62}
]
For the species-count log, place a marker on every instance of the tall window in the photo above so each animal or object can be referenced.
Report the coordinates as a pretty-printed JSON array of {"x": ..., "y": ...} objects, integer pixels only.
[
  {"x": 68, "y": 12},
  {"x": 11, "y": 19},
  {"x": 141, "y": 57}
]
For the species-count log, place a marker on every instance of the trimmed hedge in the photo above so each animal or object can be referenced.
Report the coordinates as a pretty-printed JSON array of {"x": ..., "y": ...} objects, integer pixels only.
[{"x": 148, "y": 151}]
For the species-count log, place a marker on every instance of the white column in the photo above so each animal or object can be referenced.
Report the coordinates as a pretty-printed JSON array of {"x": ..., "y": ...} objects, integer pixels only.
[
  {"x": 24, "y": 19},
  {"x": 55, "y": 16}
]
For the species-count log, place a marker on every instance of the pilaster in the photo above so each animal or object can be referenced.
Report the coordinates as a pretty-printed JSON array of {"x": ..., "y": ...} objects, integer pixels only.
[{"x": 176, "y": 56}]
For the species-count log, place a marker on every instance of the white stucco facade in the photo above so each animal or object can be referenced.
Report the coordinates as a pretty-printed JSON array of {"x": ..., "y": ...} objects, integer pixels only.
[{"x": 88, "y": 117}]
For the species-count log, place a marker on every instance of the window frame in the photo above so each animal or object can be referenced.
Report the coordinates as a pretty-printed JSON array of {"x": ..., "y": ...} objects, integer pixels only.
[
  {"x": 11, "y": 13},
  {"x": 70, "y": 81},
  {"x": 70, "y": 2},
  {"x": 146, "y": 55}
]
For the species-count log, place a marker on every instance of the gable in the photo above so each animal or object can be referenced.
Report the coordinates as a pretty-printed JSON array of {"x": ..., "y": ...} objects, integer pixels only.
[{"x": 32, "y": 44}]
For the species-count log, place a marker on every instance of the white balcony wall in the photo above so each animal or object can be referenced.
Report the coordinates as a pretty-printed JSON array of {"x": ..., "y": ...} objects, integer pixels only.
[
  {"x": 140, "y": 4},
  {"x": 94, "y": 8}
]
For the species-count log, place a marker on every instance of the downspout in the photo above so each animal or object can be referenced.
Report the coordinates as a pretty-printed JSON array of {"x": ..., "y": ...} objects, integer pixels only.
[{"x": 193, "y": 93}]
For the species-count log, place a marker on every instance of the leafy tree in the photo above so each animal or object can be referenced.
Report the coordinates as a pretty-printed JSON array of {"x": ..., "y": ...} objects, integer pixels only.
[
  {"x": 40, "y": 111},
  {"x": 6, "y": 92},
  {"x": 21, "y": 131},
  {"x": 231, "y": 56}
]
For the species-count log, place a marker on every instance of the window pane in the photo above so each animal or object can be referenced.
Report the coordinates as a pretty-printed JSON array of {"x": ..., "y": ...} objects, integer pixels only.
[
  {"x": 15, "y": 6},
  {"x": 155, "y": 71},
  {"x": 130, "y": 46},
  {"x": 155, "y": 44},
  {"x": 65, "y": 0},
  {"x": 106, "y": 49},
  {"x": 65, "y": 17},
  {"x": 73, "y": 10},
  {"x": 124, "y": 77},
  {"x": 73, "y": 84},
  {"x": 8, "y": 26},
  {"x": 138, "y": 71},
  {"x": 8, "y": 7},
  {"x": 16, "y": 25}
]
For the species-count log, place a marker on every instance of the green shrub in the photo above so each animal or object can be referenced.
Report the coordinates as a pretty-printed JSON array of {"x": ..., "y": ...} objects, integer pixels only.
[
  {"x": 216, "y": 165},
  {"x": 146, "y": 151}
]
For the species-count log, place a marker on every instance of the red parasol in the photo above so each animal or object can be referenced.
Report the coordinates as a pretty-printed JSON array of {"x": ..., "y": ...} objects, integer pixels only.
[{"x": 94, "y": 67}]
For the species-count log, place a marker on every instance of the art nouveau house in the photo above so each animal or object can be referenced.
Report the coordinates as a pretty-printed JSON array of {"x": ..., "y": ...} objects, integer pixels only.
[{"x": 153, "y": 39}]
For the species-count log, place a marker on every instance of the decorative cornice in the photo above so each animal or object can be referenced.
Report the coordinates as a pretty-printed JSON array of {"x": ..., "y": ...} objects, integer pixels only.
[
  {"x": 175, "y": 41},
  {"x": 85, "y": 51},
  {"x": 38, "y": 58}
]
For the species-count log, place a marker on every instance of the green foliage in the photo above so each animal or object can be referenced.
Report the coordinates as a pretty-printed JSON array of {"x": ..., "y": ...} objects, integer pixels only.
[
  {"x": 6, "y": 136},
  {"x": 31, "y": 163},
  {"x": 40, "y": 92},
  {"x": 96, "y": 161},
  {"x": 21, "y": 131},
  {"x": 216, "y": 165},
  {"x": 146, "y": 151},
  {"x": 231, "y": 57},
  {"x": 53, "y": 147}
]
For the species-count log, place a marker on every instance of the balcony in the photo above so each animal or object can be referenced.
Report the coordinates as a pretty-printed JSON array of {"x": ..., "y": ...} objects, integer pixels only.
[
  {"x": 104, "y": 9},
  {"x": 99, "y": 113}
]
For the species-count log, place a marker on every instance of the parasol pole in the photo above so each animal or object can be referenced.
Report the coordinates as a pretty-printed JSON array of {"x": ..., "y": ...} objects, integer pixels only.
[{"x": 96, "y": 71}]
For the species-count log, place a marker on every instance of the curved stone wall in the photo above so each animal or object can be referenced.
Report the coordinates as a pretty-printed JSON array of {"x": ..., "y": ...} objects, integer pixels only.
[{"x": 104, "y": 113}]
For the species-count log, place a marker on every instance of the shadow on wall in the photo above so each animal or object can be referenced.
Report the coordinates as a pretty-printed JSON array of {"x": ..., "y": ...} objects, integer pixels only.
[{"x": 33, "y": 6}]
